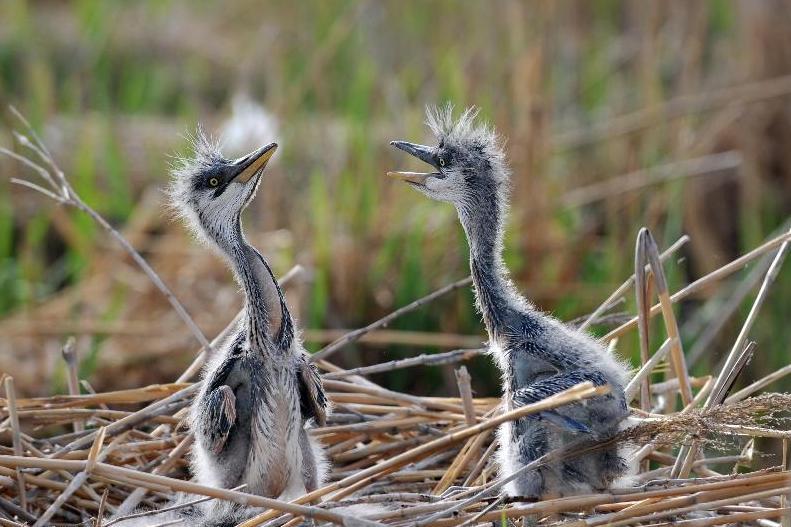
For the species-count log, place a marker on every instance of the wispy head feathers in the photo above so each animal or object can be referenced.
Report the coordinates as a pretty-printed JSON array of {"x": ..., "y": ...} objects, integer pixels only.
[
  {"x": 467, "y": 133},
  {"x": 205, "y": 153},
  {"x": 183, "y": 199}
]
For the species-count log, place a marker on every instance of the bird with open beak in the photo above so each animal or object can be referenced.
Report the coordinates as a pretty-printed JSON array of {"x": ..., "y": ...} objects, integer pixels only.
[{"x": 538, "y": 355}]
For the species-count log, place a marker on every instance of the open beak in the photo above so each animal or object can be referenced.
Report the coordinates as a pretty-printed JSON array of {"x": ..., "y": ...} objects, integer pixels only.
[
  {"x": 424, "y": 153},
  {"x": 418, "y": 178},
  {"x": 254, "y": 163}
]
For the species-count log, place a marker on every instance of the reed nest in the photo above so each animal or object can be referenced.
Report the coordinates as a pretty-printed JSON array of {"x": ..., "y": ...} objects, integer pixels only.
[
  {"x": 81, "y": 459},
  {"x": 426, "y": 460}
]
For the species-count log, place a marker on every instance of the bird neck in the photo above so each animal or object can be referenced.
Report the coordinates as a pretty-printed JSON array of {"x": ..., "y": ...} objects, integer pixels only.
[
  {"x": 495, "y": 294},
  {"x": 267, "y": 318}
]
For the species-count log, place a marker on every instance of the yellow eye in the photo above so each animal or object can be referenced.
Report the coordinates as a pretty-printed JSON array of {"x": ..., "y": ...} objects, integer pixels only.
[
  {"x": 442, "y": 161},
  {"x": 214, "y": 182}
]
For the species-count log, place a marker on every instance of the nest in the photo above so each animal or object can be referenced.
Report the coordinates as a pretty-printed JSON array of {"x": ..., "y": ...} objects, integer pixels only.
[{"x": 425, "y": 460}]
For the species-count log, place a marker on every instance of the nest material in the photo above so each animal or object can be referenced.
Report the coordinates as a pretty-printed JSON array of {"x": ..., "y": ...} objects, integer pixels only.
[{"x": 398, "y": 450}]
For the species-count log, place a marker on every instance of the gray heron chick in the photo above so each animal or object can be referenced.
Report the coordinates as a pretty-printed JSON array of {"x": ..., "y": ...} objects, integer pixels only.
[
  {"x": 259, "y": 390},
  {"x": 538, "y": 355}
]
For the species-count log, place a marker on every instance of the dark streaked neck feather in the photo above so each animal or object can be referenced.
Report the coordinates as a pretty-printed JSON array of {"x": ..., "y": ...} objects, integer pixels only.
[
  {"x": 495, "y": 294},
  {"x": 267, "y": 317}
]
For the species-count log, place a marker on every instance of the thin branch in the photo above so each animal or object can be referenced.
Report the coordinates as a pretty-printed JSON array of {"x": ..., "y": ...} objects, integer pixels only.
[
  {"x": 384, "y": 321},
  {"x": 69, "y": 197},
  {"x": 435, "y": 359}
]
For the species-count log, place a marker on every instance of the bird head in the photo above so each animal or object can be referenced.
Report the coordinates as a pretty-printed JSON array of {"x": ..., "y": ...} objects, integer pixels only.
[
  {"x": 211, "y": 191},
  {"x": 468, "y": 162}
]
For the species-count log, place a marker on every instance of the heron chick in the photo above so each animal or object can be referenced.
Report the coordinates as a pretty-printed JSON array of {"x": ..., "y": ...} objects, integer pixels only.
[
  {"x": 538, "y": 355},
  {"x": 259, "y": 390}
]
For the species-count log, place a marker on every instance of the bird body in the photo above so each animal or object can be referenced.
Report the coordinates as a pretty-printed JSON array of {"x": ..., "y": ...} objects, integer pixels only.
[
  {"x": 267, "y": 447},
  {"x": 537, "y": 355},
  {"x": 259, "y": 389}
]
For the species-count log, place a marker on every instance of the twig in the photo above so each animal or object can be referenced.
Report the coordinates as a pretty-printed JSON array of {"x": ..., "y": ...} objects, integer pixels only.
[
  {"x": 434, "y": 359},
  {"x": 70, "y": 357},
  {"x": 63, "y": 192},
  {"x": 465, "y": 391},
  {"x": 384, "y": 321},
  {"x": 15, "y": 437},
  {"x": 165, "y": 509},
  {"x": 769, "y": 279}
]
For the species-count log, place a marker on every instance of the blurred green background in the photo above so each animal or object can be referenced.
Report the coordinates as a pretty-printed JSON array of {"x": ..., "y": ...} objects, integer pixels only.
[{"x": 618, "y": 114}]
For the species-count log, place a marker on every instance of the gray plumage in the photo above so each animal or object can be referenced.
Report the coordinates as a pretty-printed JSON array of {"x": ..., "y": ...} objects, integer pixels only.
[
  {"x": 537, "y": 354},
  {"x": 259, "y": 389}
]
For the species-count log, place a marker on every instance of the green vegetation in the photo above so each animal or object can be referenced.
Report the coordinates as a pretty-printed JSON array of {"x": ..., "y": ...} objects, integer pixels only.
[{"x": 114, "y": 86}]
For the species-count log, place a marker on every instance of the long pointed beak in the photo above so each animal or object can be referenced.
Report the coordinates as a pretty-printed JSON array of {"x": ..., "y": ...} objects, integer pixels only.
[
  {"x": 252, "y": 164},
  {"x": 424, "y": 153}
]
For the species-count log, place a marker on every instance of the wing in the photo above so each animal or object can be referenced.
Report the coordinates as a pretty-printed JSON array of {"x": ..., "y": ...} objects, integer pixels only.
[
  {"x": 217, "y": 414},
  {"x": 312, "y": 399},
  {"x": 219, "y": 418},
  {"x": 551, "y": 386}
]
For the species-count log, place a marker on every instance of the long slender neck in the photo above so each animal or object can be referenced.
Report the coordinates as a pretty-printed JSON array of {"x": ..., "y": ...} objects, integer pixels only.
[
  {"x": 495, "y": 294},
  {"x": 267, "y": 317}
]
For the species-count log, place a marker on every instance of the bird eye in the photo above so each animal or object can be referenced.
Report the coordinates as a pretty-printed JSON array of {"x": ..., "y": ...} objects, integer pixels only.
[
  {"x": 442, "y": 161},
  {"x": 214, "y": 182}
]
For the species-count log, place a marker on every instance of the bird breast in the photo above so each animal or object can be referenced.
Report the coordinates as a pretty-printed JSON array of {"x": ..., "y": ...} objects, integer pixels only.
[{"x": 276, "y": 457}]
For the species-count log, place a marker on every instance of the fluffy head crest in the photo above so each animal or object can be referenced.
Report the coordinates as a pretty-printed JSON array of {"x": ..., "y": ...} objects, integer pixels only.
[
  {"x": 206, "y": 153},
  {"x": 466, "y": 134}
]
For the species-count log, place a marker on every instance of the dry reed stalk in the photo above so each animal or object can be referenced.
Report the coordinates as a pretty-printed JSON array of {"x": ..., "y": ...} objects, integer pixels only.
[
  {"x": 352, "y": 336},
  {"x": 70, "y": 357},
  {"x": 464, "y": 458},
  {"x": 648, "y": 252},
  {"x": 732, "y": 358},
  {"x": 76, "y": 483},
  {"x": 144, "y": 394},
  {"x": 463, "y": 380},
  {"x": 435, "y": 359},
  {"x": 761, "y": 383},
  {"x": 133, "y": 500},
  {"x": 698, "y": 284},
  {"x": 737, "y": 357},
  {"x": 162, "y": 483},
  {"x": 15, "y": 436}
]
